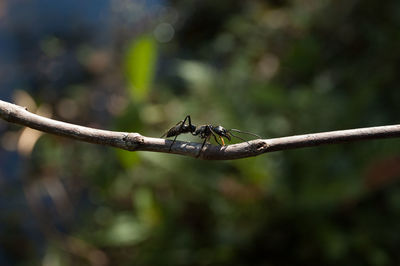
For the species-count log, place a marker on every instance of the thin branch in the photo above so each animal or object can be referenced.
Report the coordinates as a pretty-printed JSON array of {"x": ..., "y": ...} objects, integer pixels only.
[{"x": 136, "y": 142}]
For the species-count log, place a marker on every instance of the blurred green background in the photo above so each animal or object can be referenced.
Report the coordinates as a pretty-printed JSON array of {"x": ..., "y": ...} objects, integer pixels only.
[{"x": 275, "y": 68}]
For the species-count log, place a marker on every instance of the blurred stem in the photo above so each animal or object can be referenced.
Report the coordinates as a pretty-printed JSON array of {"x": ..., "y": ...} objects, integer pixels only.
[{"x": 136, "y": 142}]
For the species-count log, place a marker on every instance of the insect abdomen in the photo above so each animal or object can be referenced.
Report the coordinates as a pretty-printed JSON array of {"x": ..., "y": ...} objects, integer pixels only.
[{"x": 173, "y": 132}]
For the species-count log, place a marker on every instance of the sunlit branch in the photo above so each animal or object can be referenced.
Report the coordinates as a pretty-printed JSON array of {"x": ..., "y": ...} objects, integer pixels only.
[{"x": 136, "y": 142}]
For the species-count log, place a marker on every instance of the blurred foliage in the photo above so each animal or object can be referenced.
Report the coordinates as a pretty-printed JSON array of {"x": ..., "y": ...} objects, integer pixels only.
[
  {"x": 275, "y": 68},
  {"x": 139, "y": 66}
]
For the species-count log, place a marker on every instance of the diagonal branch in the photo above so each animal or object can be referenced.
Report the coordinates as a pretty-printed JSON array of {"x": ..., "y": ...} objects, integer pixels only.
[{"x": 136, "y": 142}]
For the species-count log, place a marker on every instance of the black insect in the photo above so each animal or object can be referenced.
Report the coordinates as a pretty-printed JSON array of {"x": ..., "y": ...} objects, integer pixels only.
[{"x": 204, "y": 132}]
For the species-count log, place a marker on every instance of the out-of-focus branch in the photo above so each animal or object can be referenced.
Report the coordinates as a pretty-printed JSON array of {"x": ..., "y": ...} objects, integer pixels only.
[{"x": 136, "y": 142}]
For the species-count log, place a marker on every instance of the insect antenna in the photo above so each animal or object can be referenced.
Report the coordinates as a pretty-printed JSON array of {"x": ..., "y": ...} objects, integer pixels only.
[
  {"x": 244, "y": 132},
  {"x": 237, "y": 137}
]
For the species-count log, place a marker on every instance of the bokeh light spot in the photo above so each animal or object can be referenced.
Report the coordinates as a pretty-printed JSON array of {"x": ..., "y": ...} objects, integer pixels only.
[{"x": 164, "y": 32}]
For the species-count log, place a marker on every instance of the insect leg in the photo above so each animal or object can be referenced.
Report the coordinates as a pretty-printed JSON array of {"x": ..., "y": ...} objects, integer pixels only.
[
  {"x": 216, "y": 139},
  {"x": 213, "y": 132},
  {"x": 170, "y": 147},
  {"x": 190, "y": 121},
  {"x": 204, "y": 142},
  {"x": 186, "y": 118},
  {"x": 179, "y": 131}
]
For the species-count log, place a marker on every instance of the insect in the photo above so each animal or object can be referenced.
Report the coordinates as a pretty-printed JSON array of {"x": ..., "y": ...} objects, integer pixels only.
[{"x": 204, "y": 132}]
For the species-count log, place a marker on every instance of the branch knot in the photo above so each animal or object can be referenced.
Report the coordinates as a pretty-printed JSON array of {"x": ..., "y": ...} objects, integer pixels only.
[{"x": 133, "y": 141}]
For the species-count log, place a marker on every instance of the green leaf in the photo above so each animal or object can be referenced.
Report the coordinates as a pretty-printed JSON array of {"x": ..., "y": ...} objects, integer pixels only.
[{"x": 139, "y": 66}]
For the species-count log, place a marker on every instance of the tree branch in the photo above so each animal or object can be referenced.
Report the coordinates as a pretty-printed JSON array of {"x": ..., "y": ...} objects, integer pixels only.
[{"x": 136, "y": 142}]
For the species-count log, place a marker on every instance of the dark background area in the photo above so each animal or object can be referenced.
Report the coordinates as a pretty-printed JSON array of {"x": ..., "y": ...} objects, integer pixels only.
[{"x": 275, "y": 68}]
